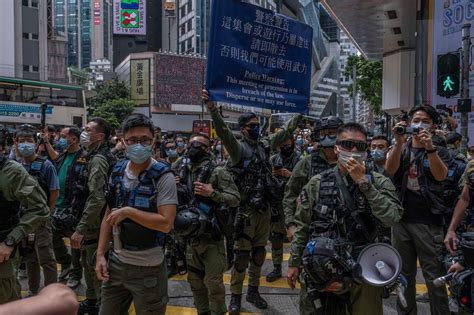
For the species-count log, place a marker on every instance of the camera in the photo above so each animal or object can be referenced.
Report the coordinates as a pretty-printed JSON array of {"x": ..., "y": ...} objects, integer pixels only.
[{"x": 401, "y": 130}]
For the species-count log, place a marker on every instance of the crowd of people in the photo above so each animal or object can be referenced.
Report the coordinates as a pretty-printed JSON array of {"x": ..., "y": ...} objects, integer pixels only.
[{"x": 126, "y": 209}]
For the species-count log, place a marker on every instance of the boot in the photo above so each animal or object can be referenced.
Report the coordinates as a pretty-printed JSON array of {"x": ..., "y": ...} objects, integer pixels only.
[
  {"x": 235, "y": 302},
  {"x": 88, "y": 307},
  {"x": 275, "y": 274},
  {"x": 253, "y": 296}
]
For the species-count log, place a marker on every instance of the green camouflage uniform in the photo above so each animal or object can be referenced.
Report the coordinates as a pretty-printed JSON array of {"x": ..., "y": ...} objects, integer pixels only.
[
  {"x": 300, "y": 176},
  {"x": 384, "y": 205},
  {"x": 89, "y": 225},
  {"x": 16, "y": 185},
  {"x": 205, "y": 256}
]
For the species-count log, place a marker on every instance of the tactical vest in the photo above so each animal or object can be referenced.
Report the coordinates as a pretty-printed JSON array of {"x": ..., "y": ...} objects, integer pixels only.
[
  {"x": 35, "y": 170},
  {"x": 252, "y": 168},
  {"x": 75, "y": 189},
  {"x": 136, "y": 237},
  {"x": 318, "y": 164},
  {"x": 289, "y": 163},
  {"x": 10, "y": 210},
  {"x": 451, "y": 189},
  {"x": 333, "y": 215}
]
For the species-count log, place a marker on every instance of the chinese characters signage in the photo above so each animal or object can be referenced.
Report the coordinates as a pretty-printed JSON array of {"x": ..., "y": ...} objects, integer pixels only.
[
  {"x": 97, "y": 12},
  {"x": 258, "y": 58},
  {"x": 170, "y": 8},
  {"x": 22, "y": 112},
  {"x": 140, "y": 81},
  {"x": 179, "y": 80},
  {"x": 130, "y": 17}
]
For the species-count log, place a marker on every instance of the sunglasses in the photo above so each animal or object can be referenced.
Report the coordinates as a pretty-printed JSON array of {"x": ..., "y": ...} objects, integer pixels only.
[{"x": 349, "y": 145}]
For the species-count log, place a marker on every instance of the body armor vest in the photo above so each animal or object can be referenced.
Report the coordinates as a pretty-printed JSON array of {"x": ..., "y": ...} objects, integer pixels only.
[
  {"x": 134, "y": 236},
  {"x": 75, "y": 189},
  {"x": 289, "y": 164},
  {"x": 10, "y": 210},
  {"x": 35, "y": 170},
  {"x": 335, "y": 217},
  {"x": 318, "y": 164}
]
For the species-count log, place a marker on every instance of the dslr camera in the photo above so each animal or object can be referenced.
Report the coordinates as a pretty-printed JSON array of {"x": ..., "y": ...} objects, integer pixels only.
[{"x": 402, "y": 130}]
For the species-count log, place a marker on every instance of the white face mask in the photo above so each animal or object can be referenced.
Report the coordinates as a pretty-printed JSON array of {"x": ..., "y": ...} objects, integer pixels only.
[
  {"x": 344, "y": 156},
  {"x": 85, "y": 139}
]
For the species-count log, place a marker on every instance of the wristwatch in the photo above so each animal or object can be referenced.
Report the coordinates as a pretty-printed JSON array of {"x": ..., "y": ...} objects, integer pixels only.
[{"x": 10, "y": 241}]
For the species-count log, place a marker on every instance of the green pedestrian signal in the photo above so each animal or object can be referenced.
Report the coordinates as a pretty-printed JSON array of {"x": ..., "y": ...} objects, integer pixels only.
[{"x": 448, "y": 74}]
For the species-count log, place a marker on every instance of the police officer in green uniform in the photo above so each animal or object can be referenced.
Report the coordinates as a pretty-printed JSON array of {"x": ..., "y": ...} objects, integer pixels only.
[
  {"x": 99, "y": 162},
  {"x": 213, "y": 192},
  {"x": 141, "y": 211},
  {"x": 249, "y": 163},
  {"x": 343, "y": 203},
  {"x": 16, "y": 186},
  {"x": 71, "y": 166},
  {"x": 282, "y": 166},
  {"x": 318, "y": 161}
]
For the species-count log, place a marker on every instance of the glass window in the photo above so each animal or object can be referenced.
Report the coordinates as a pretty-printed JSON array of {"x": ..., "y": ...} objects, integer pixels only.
[
  {"x": 190, "y": 6},
  {"x": 26, "y": 68},
  {"x": 183, "y": 10},
  {"x": 26, "y": 36},
  {"x": 26, "y": 3},
  {"x": 34, "y": 36},
  {"x": 190, "y": 25},
  {"x": 34, "y": 3},
  {"x": 35, "y": 69}
]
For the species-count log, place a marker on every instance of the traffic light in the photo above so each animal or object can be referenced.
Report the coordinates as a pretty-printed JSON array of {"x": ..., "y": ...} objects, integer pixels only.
[{"x": 448, "y": 74}]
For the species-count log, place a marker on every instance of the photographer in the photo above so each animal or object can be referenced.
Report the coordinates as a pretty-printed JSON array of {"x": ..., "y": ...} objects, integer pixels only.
[{"x": 419, "y": 168}]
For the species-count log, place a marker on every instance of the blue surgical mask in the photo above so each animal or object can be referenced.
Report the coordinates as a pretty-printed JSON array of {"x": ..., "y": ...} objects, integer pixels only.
[
  {"x": 138, "y": 153},
  {"x": 180, "y": 144},
  {"x": 328, "y": 141},
  {"x": 378, "y": 155},
  {"x": 254, "y": 133},
  {"x": 63, "y": 143},
  {"x": 172, "y": 153},
  {"x": 26, "y": 149}
]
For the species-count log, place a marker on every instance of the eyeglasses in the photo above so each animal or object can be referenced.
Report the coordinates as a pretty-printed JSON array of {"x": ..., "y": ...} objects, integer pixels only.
[
  {"x": 143, "y": 141},
  {"x": 349, "y": 145},
  {"x": 251, "y": 126}
]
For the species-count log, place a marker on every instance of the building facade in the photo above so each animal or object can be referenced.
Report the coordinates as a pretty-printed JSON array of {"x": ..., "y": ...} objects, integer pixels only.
[
  {"x": 24, "y": 34},
  {"x": 87, "y": 25}
]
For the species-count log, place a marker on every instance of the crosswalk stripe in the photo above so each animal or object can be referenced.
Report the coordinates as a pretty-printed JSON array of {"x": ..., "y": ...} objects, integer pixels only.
[{"x": 286, "y": 256}]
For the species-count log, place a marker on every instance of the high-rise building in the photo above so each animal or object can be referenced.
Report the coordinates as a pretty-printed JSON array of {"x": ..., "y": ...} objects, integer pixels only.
[
  {"x": 124, "y": 45},
  {"x": 347, "y": 49},
  {"x": 24, "y": 37},
  {"x": 87, "y": 25},
  {"x": 194, "y": 23}
]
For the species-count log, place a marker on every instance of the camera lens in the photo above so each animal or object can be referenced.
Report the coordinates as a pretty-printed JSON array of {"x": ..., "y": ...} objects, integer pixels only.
[{"x": 400, "y": 130}]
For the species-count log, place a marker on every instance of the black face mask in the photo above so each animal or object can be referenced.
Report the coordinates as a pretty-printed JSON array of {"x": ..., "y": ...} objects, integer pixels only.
[
  {"x": 287, "y": 150},
  {"x": 197, "y": 154}
]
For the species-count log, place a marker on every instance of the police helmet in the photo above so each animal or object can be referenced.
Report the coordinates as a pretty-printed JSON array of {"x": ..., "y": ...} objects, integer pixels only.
[
  {"x": 64, "y": 222},
  {"x": 189, "y": 222},
  {"x": 320, "y": 262},
  {"x": 329, "y": 122}
]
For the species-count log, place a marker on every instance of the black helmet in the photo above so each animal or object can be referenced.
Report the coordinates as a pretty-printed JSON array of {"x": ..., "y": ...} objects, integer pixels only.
[
  {"x": 323, "y": 265},
  {"x": 64, "y": 222},
  {"x": 190, "y": 222},
  {"x": 329, "y": 122}
]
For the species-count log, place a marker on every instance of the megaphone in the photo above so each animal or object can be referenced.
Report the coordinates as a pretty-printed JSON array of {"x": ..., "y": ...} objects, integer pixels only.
[{"x": 381, "y": 267}]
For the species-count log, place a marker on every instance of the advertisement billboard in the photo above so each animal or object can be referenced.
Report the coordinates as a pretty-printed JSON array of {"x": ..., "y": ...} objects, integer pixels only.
[
  {"x": 129, "y": 17},
  {"x": 178, "y": 80}
]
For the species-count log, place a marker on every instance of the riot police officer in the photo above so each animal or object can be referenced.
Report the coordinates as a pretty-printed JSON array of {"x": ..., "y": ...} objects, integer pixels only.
[
  {"x": 249, "y": 162},
  {"x": 42, "y": 238},
  {"x": 342, "y": 205},
  {"x": 318, "y": 161},
  {"x": 282, "y": 166},
  {"x": 71, "y": 167},
  {"x": 212, "y": 192},
  {"x": 16, "y": 186},
  {"x": 141, "y": 211},
  {"x": 99, "y": 163}
]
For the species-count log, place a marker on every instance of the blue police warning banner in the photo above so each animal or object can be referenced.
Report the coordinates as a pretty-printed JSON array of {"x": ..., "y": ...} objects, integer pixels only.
[{"x": 258, "y": 58}]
